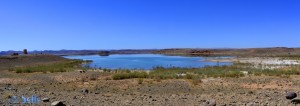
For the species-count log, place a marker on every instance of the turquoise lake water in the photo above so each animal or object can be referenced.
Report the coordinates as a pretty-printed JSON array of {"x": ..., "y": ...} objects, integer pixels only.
[{"x": 146, "y": 61}]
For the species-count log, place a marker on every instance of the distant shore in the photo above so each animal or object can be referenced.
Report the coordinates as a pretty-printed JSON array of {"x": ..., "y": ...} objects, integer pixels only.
[{"x": 274, "y": 51}]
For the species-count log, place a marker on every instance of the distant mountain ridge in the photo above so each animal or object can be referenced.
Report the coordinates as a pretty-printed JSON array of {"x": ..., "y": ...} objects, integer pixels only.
[
  {"x": 83, "y": 52},
  {"x": 175, "y": 51},
  {"x": 275, "y": 51}
]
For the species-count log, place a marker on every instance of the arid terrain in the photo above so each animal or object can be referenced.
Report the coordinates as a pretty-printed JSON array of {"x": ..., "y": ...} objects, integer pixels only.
[
  {"x": 150, "y": 53},
  {"x": 251, "y": 81},
  {"x": 75, "y": 88}
]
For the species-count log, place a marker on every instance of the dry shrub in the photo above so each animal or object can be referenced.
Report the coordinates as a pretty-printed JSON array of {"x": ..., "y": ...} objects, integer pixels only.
[
  {"x": 196, "y": 81},
  {"x": 140, "y": 81},
  {"x": 7, "y": 95}
]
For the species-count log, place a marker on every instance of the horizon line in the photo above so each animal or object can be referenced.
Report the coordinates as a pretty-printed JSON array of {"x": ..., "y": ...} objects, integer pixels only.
[{"x": 154, "y": 48}]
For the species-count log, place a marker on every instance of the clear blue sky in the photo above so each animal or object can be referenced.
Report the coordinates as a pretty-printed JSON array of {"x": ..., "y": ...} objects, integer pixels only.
[{"x": 148, "y": 24}]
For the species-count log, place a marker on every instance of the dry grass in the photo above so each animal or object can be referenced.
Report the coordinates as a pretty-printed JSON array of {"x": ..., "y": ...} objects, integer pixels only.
[
  {"x": 7, "y": 95},
  {"x": 62, "y": 66}
]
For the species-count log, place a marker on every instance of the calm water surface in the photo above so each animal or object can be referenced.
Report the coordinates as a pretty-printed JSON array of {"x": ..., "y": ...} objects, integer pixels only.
[{"x": 145, "y": 61}]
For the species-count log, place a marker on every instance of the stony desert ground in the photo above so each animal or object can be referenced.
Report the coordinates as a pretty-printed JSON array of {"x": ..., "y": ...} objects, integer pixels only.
[{"x": 96, "y": 88}]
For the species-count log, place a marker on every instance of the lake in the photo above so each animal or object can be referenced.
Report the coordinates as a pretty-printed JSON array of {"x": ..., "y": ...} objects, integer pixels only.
[{"x": 145, "y": 61}]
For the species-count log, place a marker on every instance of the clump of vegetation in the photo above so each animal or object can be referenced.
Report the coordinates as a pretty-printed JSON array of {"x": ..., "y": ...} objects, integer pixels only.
[
  {"x": 181, "y": 73},
  {"x": 234, "y": 71},
  {"x": 90, "y": 76},
  {"x": 196, "y": 81},
  {"x": 140, "y": 81},
  {"x": 191, "y": 73},
  {"x": 127, "y": 75},
  {"x": 63, "y": 66},
  {"x": 190, "y": 76},
  {"x": 7, "y": 95},
  {"x": 93, "y": 77},
  {"x": 25, "y": 51},
  {"x": 276, "y": 72},
  {"x": 15, "y": 54}
]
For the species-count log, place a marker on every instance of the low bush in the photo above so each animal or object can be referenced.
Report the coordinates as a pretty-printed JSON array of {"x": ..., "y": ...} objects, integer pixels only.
[
  {"x": 196, "y": 81},
  {"x": 234, "y": 71},
  {"x": 128, "y": 75},
  {"x": 55, "y": 67},
  {"x": 140, "y": 81}
]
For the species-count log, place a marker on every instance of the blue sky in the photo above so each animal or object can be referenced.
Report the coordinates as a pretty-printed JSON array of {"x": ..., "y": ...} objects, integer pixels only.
[{"x": 148, "y": 24}]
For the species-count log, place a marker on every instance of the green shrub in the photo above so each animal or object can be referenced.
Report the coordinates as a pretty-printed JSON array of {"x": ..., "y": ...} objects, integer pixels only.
[
  {"x": 140, "y": 81},
  {"x": 128, "y": 75},
  {"x": 55, "y": 67},
  {"x": 217, "y": 71},
  {"x": 120, "y": 76},
  {"x": 196, "y": 81}
]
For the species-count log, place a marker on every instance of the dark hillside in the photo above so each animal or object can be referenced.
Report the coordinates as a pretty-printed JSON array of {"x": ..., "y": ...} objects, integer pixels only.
[
  {"x": 278, "y": 51},
  {"x": 27, "y": 60}
]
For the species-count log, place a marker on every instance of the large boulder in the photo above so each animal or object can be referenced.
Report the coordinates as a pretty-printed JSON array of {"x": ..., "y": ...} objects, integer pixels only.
[
  {"x": 85, "y": 91},
  {"x": 296, "y": 101},
  {"x": 291, "y": 95}
]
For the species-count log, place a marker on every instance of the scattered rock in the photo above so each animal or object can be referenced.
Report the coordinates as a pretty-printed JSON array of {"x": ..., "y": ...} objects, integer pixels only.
[
  {"x": 252, "y": 104},
  {"x": 181, "y": 74},
  {"x": 210, "y": 103},
  {"x": 291, "y": 95},
  {"x": 107, "y": 95},
  {"x": 57, "y": 103},
  {"x": 44, "y": 90},
  {"x": 8, "y": 85},
  {"x": 296, "y": 101},
  {"x": 85, "y": 91},
  {"x": 51, "y": 93},
  {"x": 11, "y": 89},
  {"x": 45, "y": 99},
  {"x": 81, "y": 71},
  {"x": 245, "y": 72}
]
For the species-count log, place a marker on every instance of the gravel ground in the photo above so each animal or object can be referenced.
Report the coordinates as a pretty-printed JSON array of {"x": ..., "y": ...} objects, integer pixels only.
[{"x": 71, "y": 88}]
